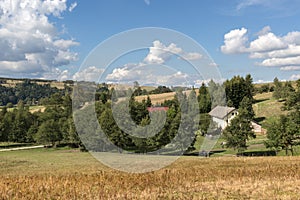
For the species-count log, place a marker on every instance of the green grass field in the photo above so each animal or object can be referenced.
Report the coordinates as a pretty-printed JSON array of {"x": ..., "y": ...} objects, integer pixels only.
[{"x": 70, "y": 174}]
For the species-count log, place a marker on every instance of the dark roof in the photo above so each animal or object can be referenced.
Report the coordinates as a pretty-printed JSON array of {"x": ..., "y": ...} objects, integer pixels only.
[{"x": 221, "y": 111}]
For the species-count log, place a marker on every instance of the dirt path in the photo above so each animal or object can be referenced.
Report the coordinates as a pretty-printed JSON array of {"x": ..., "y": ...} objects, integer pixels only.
[{"x": 22, "y": 148}]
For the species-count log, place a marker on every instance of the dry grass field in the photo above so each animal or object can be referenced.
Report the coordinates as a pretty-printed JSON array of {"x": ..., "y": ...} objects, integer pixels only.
[
  {"x": 160, "y": 98},
  {"x": 69, "y": 174},
  {"x": 13, "y": 83},
  {"x": 267, "y": 106},
  {"x": 157, "y": 98}
]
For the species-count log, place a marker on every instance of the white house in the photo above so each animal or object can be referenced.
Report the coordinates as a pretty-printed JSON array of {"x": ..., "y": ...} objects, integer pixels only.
[{"x": 223, "y": 115}]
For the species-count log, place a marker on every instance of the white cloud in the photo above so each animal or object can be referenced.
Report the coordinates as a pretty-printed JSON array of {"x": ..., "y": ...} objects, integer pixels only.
[
  {"x": 295, "y": 77},
  {"x": 290, "y": 68},
  {"x": 56, "y": 74},
  {"x": 267, "y": 42},
  {"x": 213, "y": 64},
  {"x": 272, "y": 50},
  {"x": 278, "y": 62},
  {"x": 91, "y": 73},
  {"x": 261, "y": 81},
  {"x": 177, "y": 78},
  {"x": 160, "y": 53},
  {"x": 149, "y": 70},
  {"x": 191, "y": 56},
  {"x": 246, "y": 3},
  {"x": 264, "y": 31},
  {"x": 64, "y": 75},
  {"x": 148, "y": 76},
  {"x": 32, "y": 44},
  {"x": 129, "y": 72},
  {"x": 270, "y": 8},
  {"x": 292, "y": 38},
  {"x": 290, "y": 51},
  {"x": 235, "y": 41},
  {"x": 72, "y": 6}
]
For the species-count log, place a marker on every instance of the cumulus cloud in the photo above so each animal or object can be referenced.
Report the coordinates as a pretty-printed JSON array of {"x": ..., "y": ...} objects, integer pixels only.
[
  {"x": 272, "y": 50},
  {"x": 128, "y": 72},
  {"x": 267, "y": 42},
  {"x": 264, "y": 31},
  {"x": 177, "y": 78},
  {"x": 278, "y": 62},
  {"x": 295, "y": 77},
  {"x": 160, "y": 53},
  {"x": 149, "y": 72},
  {"x": 91, "y": 73},
  {"x": 56, "y": 74},
  {"x": 235, "y": 41},
  {"x": 145, "y": 75},
  {"x": 32, "y": 43}
]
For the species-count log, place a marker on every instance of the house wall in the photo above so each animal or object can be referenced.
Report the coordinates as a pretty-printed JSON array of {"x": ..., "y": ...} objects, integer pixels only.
[
  {"x": 230, "y": 116},
  {"x": 224, "y": 122},
  {"x": 221, "y": 123}
]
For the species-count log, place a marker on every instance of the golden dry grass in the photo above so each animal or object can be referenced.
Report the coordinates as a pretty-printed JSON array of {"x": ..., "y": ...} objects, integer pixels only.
[
  {"x": 13, "y": 83},
  {"x": 34, "y": 109},
  {"x": 157, "y": 98},
  {"x": 267, "y": 106},
  {"x": 79, "y": 176},
  {"x": 160, "y": 98}
]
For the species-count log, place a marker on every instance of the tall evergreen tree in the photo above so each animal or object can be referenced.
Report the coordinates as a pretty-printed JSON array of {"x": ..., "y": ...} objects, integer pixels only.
[
  {"x": 204, "y": 99},
  {"x": 239, "y": 131},
  {"x": 237, "y": 88}
]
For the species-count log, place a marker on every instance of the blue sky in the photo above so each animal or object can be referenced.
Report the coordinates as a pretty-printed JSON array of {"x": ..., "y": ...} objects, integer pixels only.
[{"x": 259, "y": 37}]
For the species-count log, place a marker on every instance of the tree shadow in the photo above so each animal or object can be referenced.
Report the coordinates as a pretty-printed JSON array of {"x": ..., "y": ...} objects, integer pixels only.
[
  {"x": 260, "y": 100},
  {"x": 257, "y": 153},
  {"x": 259, "y": 119}
]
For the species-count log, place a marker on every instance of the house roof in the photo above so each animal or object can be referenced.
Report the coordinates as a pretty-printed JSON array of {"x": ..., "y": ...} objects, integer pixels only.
[{"x": 221, "y": 111}]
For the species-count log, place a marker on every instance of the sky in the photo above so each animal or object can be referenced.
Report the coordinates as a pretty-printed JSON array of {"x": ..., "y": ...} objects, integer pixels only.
[{"x": 54, "y": 39}]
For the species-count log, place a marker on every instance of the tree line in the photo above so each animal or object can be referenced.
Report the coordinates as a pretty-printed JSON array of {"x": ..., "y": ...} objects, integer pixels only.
[
  {"x": 284, "y": 131},
  {"x": 56, "y": 126},
  {"x": 27, "y": 91},
  {"x": 51, "y": 127}
]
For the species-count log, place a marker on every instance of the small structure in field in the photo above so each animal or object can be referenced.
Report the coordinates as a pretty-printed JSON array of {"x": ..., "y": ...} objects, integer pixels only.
[
  {"x": 223, "y": 115},
  {"x": 257, "y": 128}
]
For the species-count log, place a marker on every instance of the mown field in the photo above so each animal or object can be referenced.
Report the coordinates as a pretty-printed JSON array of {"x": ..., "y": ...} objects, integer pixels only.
[
  {"x": 70, "y": 174},
  {"x": 267, "y": 108},
  {"x": 157, "y": 99}
]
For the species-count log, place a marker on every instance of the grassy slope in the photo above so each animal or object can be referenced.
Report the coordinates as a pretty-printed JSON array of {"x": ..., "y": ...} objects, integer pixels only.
[
  {"x": 266, "y": 107},
  {"x": 65, "y": 174},
  {"x": 32, "y": 109}
]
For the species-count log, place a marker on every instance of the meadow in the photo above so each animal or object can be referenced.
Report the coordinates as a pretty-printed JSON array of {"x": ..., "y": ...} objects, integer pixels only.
[{"x": 70, "y": 174}]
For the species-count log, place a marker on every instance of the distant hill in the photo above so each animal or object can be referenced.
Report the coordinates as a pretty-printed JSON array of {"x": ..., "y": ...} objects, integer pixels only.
[{"x": 12, "y": 82}]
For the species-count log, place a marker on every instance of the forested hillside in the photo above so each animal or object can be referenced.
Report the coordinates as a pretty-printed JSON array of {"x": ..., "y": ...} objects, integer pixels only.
[
  {"x": 55, "y": 125},
  {"x": 28, "y": 91}
]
